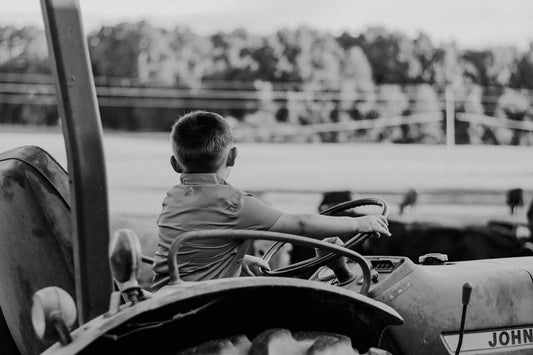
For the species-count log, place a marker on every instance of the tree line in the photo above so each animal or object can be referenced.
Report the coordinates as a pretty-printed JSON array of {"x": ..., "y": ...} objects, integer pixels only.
[{"x": 297, "y": 77}]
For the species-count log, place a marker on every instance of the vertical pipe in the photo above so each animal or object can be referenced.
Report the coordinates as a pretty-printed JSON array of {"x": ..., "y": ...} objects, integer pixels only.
[
  {"x": 450, "y": 117},
  {"x": 82, "y": 130}
]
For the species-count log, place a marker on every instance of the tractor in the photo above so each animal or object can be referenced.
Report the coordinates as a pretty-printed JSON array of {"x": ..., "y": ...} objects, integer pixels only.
[{"x": 70, "y": 284}]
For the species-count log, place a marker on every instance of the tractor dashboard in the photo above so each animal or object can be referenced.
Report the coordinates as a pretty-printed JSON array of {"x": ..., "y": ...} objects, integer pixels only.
[
  {"x": 386, "y": 270},
  {"x": 386, "y": 264}
]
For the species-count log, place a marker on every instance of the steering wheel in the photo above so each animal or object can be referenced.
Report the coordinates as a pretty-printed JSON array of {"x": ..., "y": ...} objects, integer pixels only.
[
  {"x": 231, "y": 234},
  {"x": 312, "y": 264}
]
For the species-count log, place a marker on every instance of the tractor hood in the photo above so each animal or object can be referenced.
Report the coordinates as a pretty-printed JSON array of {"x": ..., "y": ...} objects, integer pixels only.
[
  {"x": 177, "y": 317},
  {"x": 499, "y": 316}
]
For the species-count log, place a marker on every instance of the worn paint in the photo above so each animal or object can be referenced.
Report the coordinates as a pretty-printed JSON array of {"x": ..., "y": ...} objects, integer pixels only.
[{"x": 35, "y": 245}]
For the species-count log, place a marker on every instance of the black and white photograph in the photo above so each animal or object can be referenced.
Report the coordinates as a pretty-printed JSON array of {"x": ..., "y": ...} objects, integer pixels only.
[{"x": 269, "y": 177}]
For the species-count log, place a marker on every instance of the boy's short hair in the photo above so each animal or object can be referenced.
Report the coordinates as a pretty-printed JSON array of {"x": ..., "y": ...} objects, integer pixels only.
[{"x": 199, "y": 140}]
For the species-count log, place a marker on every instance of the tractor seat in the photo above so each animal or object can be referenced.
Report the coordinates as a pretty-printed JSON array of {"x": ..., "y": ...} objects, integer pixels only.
[{"x": 35, "y": 237}]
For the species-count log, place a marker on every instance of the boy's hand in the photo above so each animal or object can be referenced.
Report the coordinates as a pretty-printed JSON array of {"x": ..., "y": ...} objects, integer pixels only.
[
  {"x": 373, "y": 223},
  {"x": 251, "y": 265}
]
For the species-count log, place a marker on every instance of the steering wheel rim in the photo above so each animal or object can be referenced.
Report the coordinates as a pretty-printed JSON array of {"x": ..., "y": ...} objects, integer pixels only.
[
  {"x": 243, "y": 234},
  {"x": 314, "y": 263}
]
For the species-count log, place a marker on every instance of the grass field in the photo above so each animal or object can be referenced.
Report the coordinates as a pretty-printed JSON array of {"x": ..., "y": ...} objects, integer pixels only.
[{"x": 462, "y": 185}]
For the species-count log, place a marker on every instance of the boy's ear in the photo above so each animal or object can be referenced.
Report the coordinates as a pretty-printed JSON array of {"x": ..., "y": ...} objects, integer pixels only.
[
  {"x": 232, "y": 156},
  {"x": 175, "y": 165}
]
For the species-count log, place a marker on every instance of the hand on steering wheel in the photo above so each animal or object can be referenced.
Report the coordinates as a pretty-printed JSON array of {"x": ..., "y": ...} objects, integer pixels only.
[
  {"x": 312, "y": 264},
  {"x": 282, "y": 238}
]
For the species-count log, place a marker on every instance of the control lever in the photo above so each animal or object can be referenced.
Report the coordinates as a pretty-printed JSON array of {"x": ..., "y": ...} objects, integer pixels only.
[
  {"x": 467, "y": 292},
  {"x": 338, "y": 265},
  {"x": 125, "y": 261}
]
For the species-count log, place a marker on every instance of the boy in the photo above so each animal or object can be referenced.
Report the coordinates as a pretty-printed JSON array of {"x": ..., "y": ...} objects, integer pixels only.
[{"x": 203, "y": 153}]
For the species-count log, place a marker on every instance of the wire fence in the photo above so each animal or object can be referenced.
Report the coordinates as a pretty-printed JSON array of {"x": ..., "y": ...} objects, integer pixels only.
[{"x": 445, "y": 105}]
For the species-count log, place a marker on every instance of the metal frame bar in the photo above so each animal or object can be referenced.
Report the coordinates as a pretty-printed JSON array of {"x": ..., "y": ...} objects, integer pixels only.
[
  {"x": 497, "y": 122},
  {"x": 82, "y": 130}
]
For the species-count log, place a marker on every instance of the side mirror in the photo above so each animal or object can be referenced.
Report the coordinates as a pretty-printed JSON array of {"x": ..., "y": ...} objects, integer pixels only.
[
  {"x": 125, "y": 260},
  {"x": 53, "y": 313}
]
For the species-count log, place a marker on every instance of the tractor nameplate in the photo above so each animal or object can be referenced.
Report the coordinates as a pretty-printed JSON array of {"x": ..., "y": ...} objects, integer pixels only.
[{"x": 504, "y": 338}]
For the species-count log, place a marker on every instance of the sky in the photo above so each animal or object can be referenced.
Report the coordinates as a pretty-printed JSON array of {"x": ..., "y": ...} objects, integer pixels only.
[{"x": 470, "y": 23}]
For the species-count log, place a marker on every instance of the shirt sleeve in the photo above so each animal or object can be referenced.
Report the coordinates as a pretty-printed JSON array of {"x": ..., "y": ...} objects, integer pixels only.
[{"x": 255, "y": 214}]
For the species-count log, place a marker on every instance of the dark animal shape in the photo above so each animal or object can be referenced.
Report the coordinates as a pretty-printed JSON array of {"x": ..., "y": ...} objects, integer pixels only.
[
  {"x": 515, "y": 199},
  {"x": 459, "y": 243},
  {"x": 332, "y": 198},
  {"x": 409, "y": 199}
]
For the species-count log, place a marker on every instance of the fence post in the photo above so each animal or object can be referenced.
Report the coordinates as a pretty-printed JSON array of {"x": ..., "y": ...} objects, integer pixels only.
[{"x": 450, "y": 117}]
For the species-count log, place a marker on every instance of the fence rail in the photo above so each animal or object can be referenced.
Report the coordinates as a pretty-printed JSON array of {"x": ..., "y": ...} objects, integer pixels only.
[
  {"x": 37, "y": 89},
  {"x": 284, "y": 130},
  {"x": 494, "y": 121}
]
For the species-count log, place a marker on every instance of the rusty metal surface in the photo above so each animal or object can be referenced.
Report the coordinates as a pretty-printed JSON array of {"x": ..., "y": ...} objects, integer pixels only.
[
  {"x": 429, "y": 298},
  {"x": 82, "y": 129},
  {"x": 268, "y": 296},
  {"x": 35, "y": 237}
]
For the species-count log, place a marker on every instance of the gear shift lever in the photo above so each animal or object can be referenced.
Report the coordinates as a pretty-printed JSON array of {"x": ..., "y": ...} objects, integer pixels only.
[{"x": 337, "y": 265}]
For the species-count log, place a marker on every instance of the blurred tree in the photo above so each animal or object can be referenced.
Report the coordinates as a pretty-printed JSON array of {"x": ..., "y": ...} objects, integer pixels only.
[
  {"x": 447, "y": 68},
  {"x": 468, "y": 99},
  {"x": 23, "y": 50},
  {"x": 392, "y": 102},
  {"x": 425, "y": 54},
  {"x": 265, "y": 96},
  {"x": 326, "y": 78},
  {"x": 190, "y": 60},
  {"x": 512, "y": 105},
  {"x": 523, "y": 76},
  {"x": 356, "y": 69},
  {"x": 356, "y": 96},
  {"x": 233, "y": 55},
  {"x": 156, "y": 65},
  {"x": 394, "y": 57},
  {"x": 383, "y": 51},
  {"x": 476, "y": 60},
  {"x": 271, "y": 64},
  {"x": 424, "y": 100},
  {"x": 500, "y": 65},
  {"x": 316, "y": 62},
  {"x": 115, "y": 50}
]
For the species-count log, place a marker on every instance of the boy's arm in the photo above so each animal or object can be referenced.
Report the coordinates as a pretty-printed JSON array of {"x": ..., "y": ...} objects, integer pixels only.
[
  {"x": 255, "y": 214},
  {"x": 319, "y": 227}
]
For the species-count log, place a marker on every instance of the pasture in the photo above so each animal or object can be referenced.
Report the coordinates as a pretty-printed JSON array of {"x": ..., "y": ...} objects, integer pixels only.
[{"x": 461, "y": 185}]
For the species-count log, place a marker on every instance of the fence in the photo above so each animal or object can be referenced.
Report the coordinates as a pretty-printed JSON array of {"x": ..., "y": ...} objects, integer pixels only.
[{"x": 25, "y": 89}]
